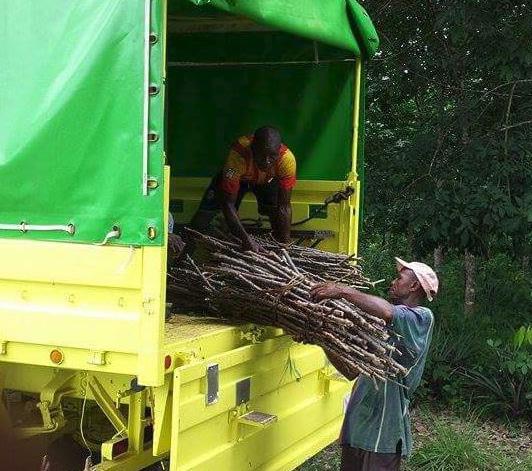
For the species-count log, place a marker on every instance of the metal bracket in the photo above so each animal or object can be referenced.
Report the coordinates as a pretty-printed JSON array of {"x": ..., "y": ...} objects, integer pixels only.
[
  {"x": 3, "y": 347},
  {"x": 96, "y": 358},
  {"x": 329, "y": 375},
  {"x": 107, "y": 406},
  {"x": 243, "y": 391},
  {"x": 213, "y": 384},
  {"x": 50, "y": 405},
  {"x": 257, "y": 419}
]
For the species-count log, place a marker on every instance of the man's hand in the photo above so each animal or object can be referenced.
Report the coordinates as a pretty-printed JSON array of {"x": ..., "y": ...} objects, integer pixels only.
[
  {"x": 251, "y": 245},
  {"x": 326, "y": 291},
  {"x": 175, "y": 245}
]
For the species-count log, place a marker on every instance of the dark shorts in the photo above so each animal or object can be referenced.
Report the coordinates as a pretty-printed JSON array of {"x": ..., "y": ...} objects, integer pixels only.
[
  {"x": 356, "y": 459},
  {"x": 266, "y": 196}
]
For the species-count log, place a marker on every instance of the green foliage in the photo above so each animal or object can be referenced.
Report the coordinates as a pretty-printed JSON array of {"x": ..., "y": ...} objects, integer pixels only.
[
  {"x": 504, "y": 290},
  {"x": 378, "y": 258},
  {"x": 506, "y": 381},
  {"x": 523, "y": 337},
  {"x": 449, "y": 164},
  {"x": 449, "y": 144}
]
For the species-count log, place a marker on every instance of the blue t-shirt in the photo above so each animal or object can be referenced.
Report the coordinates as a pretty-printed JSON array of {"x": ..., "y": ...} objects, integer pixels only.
[{"x": 377, "y": 419}]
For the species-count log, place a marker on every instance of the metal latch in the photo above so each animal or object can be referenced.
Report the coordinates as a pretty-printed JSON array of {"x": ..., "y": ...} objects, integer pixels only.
[
  {"x": 334, "y": 376},
  {"x": 213, "y": 384}
]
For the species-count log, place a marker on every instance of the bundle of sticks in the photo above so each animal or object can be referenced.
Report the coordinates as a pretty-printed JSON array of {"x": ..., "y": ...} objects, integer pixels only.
[
  {"x": 327, "y": 265},
  {"x": 272, "y": 288}
]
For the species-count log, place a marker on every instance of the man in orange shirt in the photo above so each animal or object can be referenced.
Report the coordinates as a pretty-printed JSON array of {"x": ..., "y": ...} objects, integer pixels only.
[{"x": 260, "y": 164}]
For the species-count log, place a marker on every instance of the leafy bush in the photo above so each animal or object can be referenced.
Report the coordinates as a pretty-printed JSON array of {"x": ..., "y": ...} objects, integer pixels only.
[
  {"x": 504, "y": 291},
  {"x": 378, "y": 259},
  {"x": 507, "y": 382}
]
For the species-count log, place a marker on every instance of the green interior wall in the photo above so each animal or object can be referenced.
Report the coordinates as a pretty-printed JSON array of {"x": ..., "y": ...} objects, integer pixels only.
[{"x": 302, "y": 87}]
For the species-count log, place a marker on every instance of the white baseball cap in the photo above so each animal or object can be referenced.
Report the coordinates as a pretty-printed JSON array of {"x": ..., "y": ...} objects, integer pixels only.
[{"x": 426, "y": 276}]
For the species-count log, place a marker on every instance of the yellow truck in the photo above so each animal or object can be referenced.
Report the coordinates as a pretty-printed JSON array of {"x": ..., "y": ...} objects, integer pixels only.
[{"x": 114, "y": 113}]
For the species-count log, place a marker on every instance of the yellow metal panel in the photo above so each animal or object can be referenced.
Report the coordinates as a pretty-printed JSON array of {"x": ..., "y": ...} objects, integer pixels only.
[
  {"x": 210, "y": 437},
  {"x": 102, "y": 306},
  {"x": 23, "y": 354},
  {"x": 162, "y": 415},
  {"x": 70, "y": 264},
  {"x": 307, "y": 192},
  {"x": 176, "y": 415}
]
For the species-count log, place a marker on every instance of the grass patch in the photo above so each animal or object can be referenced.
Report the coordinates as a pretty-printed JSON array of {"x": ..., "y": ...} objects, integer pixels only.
[
  {"x": 447, "y": 442},
  {"x": 449, "y": 449}
]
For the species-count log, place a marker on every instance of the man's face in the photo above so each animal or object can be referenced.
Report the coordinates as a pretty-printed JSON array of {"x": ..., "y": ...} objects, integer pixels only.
[
  {"x": 404, "y": 284},
  {"x": 265, "y": 156}
]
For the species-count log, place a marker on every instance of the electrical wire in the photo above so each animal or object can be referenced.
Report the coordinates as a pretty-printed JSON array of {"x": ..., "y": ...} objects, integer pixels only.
[{"x": 89, "y": 458}]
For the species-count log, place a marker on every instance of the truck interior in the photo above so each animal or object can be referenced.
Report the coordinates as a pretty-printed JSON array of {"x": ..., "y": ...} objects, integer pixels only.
[{"x": 227, "y": 76}]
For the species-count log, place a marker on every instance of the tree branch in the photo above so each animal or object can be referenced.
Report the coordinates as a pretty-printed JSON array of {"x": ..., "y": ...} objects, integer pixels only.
[{"x": 522, "y": 123}]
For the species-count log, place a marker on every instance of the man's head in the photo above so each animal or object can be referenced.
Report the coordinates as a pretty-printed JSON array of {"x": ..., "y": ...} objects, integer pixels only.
[
  {"x": 265, "y": 147},
  {"x": 415, "y": 282}
]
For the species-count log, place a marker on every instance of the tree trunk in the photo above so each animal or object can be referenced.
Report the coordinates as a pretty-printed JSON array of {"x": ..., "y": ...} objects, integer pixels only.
[
  {"x": 526, "y": 263},
  {"x": 470, "y": 279},
  {"x": 438, "y": 258}
]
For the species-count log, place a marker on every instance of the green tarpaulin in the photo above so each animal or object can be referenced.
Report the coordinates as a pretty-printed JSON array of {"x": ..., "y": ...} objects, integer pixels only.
[
  {"x": 72, "y": 109},
  {"x": 71, "y": 120},
  {"x": 341, "y": 23}
]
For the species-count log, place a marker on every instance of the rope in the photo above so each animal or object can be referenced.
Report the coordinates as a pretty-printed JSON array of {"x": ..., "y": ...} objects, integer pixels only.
[
  {"x": 113, "y": 234},
  {"x": 23, "y": 227}
]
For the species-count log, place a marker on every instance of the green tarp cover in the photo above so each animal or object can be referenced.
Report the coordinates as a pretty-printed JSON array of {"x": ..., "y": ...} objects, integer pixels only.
[
  {"x": 71, "y": 120},
  {"x": 341, "y": 23}
]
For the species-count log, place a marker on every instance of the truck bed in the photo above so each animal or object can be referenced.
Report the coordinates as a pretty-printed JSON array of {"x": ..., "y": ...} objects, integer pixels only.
[
  {"x": 181, "y": 328},
  {"x": 202, "y": 337}
]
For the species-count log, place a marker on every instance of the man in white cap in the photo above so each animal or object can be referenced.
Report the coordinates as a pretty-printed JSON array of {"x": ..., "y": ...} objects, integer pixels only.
[{"x": 376, "y": 430}]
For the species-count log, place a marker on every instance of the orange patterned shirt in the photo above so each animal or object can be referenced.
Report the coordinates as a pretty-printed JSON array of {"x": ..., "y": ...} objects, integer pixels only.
[{"x": 241, "y": 168}]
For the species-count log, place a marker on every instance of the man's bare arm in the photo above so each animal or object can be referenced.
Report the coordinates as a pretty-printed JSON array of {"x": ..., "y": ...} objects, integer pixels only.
[
  {"x": 282, "y": 220},
  {"x": 233, "y": 221},
  {"x": 371, "y": 304}
]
